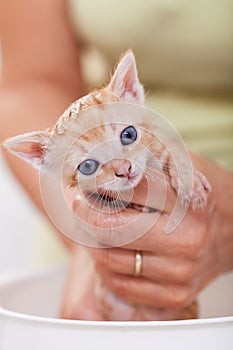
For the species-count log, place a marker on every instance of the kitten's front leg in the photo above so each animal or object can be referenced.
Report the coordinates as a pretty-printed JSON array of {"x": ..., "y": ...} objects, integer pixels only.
[
  {"x": 201, "y": 190},
  {"x": 200, "y": 186}
]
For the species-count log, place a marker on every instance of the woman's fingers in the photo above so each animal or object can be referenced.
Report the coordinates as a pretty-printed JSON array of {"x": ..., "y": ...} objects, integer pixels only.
[
  {"x": 187, "y": 239},
  {"x": 155, "y": 268},
  {"x": 145, "y": 292},
  {"x": 116, "y": 308},
  {"x": 116, "y": 260},
  {"x": 131, "y": 222}
]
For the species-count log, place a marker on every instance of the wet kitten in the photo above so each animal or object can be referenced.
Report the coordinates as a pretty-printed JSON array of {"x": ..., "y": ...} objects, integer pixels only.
[
  {"x": 108, "y": 170},
  {"x": 122, "y": 167}
]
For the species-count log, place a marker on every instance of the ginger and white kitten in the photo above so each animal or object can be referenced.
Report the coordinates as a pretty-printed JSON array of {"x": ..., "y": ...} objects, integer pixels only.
[
  {"x": 113, "y": 169},
  {"x": 124, "y": 171}
]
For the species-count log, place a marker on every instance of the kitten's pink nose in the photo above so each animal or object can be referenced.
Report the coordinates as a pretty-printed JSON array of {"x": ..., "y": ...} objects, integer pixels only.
[{"x": 121, "y": 167}]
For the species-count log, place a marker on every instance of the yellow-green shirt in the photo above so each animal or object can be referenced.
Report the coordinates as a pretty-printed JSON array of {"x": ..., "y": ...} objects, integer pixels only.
[{"x": 184, "y": 52}]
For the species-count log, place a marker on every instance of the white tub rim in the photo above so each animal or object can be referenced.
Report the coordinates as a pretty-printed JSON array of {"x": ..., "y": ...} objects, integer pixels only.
[{"x": 23, "y": 317}]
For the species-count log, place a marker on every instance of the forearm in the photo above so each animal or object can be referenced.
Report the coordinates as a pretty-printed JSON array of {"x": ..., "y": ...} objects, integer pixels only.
[
  {"x": 27, "y": 108},
  {"x": 223, "y": 223},
  {"x": 40, "y": 76}
]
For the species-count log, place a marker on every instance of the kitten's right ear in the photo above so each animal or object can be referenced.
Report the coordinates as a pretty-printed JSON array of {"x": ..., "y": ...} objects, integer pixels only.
[
  {"x": 31, "y": 147},
  {"x": 125, "y": 82}
]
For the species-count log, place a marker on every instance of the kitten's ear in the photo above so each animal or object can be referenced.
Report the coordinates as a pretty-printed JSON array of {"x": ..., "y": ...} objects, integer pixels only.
[
  {"x": 30, "y": 147},
  {"x": 125, "y": 83}
]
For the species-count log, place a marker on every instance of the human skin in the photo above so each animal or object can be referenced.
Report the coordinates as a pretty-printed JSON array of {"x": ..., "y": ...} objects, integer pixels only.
[
  {"x": 176, "y": 267},
  {"x": 41, "y": 76}
]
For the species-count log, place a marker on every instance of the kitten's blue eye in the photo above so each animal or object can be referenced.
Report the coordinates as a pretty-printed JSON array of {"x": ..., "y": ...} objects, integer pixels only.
[
  {"x": 128, "y": 135},
  {"x": 88, "y": 166}
]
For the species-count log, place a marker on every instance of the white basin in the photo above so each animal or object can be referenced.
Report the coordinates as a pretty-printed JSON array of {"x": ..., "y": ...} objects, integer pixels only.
[{"x": 30, "y": 303}]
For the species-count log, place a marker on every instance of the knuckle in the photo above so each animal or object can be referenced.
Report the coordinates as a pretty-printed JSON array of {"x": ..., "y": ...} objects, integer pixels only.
[
  {"x": 184, "y": 271},
  {"x": 195, "y": 243},
  {"x": 120, "y": 287},
  {"x": 179, "y": 297},
  {"x": 105, "y": 258}
]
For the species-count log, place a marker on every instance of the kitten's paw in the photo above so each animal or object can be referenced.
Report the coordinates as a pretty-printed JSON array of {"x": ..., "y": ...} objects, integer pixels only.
[
  {"x": 201, "y": 190},
  {"x": 183, "y": 191},
  {"x": 197, "y": 195},
  {"x": 186, "y": 199}
]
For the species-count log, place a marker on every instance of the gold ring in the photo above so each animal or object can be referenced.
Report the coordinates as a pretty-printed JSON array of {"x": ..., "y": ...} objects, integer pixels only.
[{"x": 138, "y": 263}]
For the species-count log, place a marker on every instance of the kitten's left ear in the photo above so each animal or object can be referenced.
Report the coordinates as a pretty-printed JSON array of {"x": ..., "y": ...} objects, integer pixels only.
[
  {"x": 125, "y": 83},
  {"x": 31, "y": 147}
]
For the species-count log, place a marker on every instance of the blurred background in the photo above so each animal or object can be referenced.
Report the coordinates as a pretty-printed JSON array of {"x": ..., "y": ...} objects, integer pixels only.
[
  {"x": 27, "y": 240},
  {"x": 184, "y": 53}
]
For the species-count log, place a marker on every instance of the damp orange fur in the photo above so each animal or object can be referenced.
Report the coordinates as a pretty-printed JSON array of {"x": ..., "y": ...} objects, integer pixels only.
[{"x": 104, "y": 151}]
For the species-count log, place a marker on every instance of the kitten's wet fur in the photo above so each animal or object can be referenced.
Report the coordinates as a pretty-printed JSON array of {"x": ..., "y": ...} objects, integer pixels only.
[
  {"x": 129, "y": 167},
  {"x": 117, "y": 173}
]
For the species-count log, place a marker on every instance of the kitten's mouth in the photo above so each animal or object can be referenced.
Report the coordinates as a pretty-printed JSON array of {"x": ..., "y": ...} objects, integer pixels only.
[
  {"x": 134, "y": 178},
  {"x": 112, "y": 200}
]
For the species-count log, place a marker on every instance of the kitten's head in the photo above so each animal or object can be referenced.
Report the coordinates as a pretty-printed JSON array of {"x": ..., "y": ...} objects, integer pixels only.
[{"x": 99, "y": 150}]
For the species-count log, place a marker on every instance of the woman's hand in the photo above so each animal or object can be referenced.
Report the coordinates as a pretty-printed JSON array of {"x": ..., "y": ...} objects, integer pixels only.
[{"x": 175, "y": 267}]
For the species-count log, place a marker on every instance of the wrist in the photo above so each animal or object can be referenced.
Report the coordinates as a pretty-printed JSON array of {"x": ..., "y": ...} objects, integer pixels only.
[
  {"x": 222, "y": 220},
  {"x": 219, "y": 211}
]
